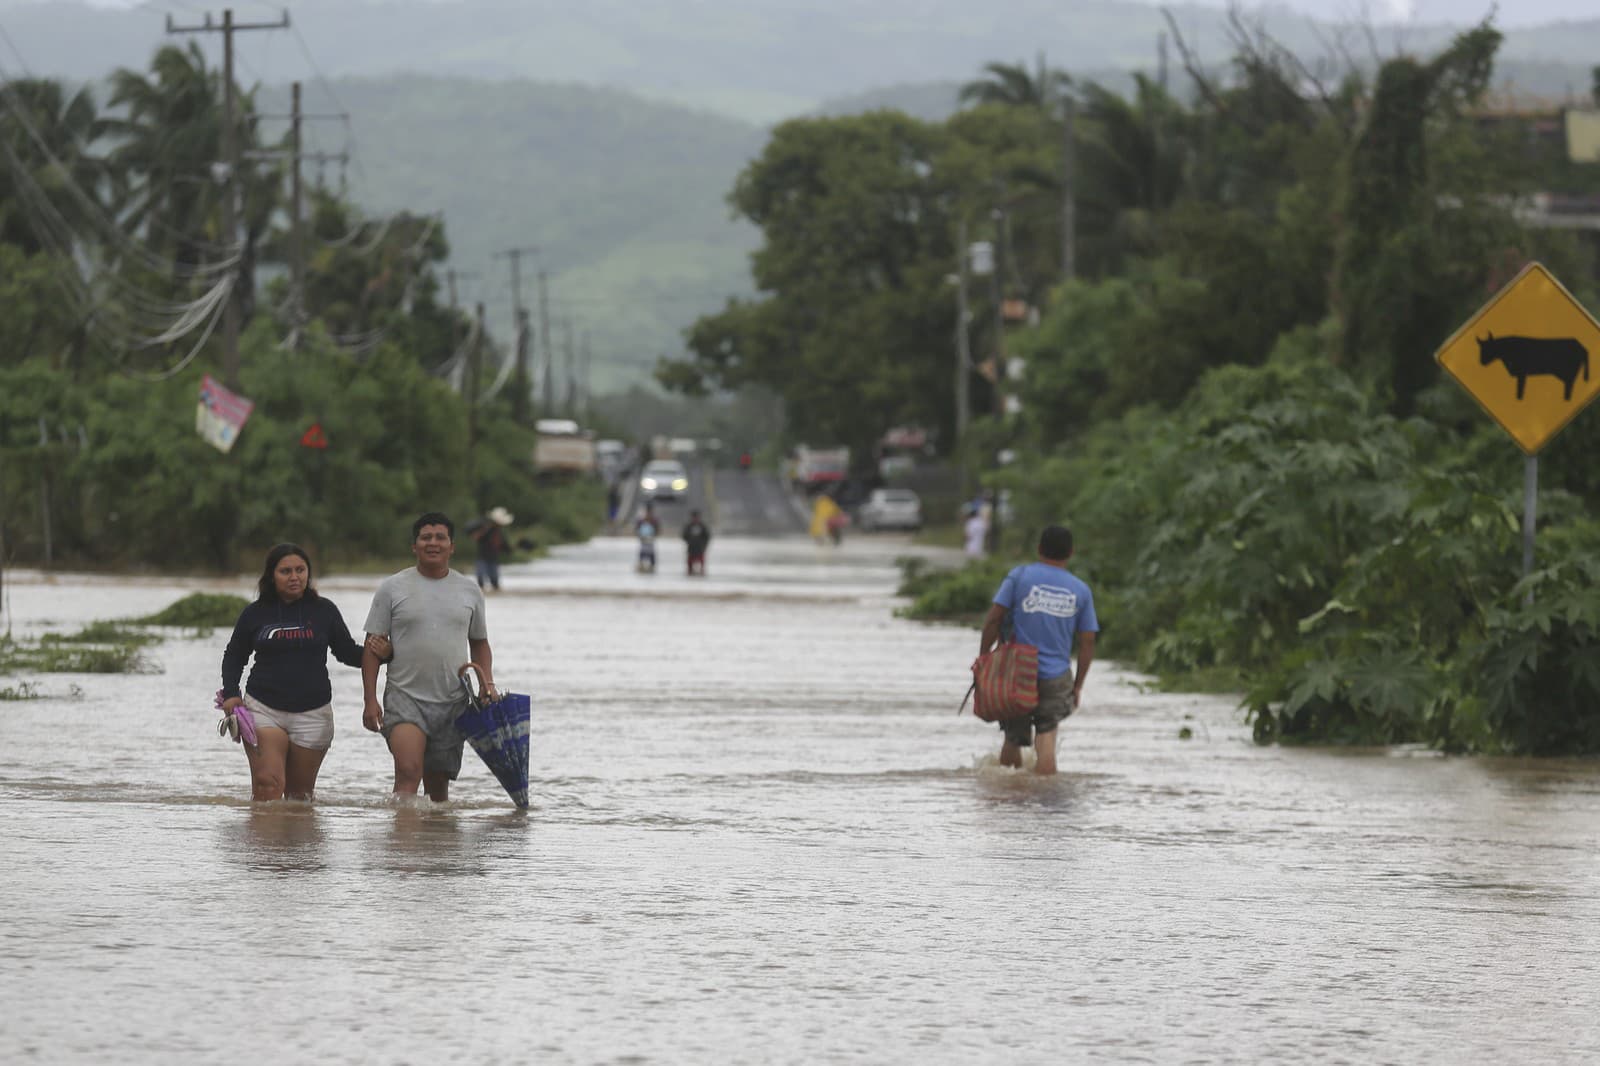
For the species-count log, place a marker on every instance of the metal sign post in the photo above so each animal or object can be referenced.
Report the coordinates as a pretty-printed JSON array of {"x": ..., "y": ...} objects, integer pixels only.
[{"x": 1526, "y": 358}]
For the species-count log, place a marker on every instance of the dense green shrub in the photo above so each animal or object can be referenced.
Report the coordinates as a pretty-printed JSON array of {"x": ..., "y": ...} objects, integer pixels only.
[
  {"x": 1356, "y": 573},
  {"x": 954, "y": 595},
  {"x": 130, "y": 482},
  {"x": 198, "y": 610}
]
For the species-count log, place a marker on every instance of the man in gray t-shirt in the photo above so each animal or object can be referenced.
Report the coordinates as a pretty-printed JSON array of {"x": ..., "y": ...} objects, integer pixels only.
[{"x": 434, "y": 617}]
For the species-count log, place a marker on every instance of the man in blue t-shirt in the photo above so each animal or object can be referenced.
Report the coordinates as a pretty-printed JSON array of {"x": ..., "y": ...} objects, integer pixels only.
[{"x": 1048, "y": 607}]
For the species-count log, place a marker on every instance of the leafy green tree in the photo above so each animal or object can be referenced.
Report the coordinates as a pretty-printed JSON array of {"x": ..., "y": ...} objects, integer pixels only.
[
  {"x": 35, "y": 321},
  {"x": 855, "y": 320},
  {"x": 1398, "y": 287},
  {"x": 375, "y": 274},
  {"x": 1132, "y": 163}
]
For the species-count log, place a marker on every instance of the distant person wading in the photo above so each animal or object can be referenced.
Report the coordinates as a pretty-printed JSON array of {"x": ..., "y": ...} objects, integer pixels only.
[
  {"x": 696, "y": 537},
  {"x": 1049, "y": 608},
  {"x": 488, "y": 533}
]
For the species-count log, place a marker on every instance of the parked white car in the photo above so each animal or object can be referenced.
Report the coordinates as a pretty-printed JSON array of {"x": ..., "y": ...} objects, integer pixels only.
[{"x": 890, "y": 509}]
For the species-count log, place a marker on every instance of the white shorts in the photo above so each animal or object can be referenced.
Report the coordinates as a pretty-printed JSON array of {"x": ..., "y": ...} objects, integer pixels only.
[{"x": 306, "y": 729}]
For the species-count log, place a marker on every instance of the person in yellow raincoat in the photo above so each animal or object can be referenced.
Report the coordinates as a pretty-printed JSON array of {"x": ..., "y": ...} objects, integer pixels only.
[{"x": 827, "y": 520}]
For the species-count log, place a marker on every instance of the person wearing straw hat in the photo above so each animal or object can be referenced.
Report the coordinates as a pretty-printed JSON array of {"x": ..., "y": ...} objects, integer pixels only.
[
  {"x": 435, "y": 619},
  {"x": 487, "y": 534}
]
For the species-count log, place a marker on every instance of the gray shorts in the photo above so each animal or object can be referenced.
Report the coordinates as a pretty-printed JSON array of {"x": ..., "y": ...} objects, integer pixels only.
[
  {"x": 437, "y": 722},
  {"x": 1055, "y": 705}
]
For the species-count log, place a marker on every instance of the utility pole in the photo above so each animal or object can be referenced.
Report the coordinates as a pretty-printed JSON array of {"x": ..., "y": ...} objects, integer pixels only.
[
  {"x": 997, "y": 287},
  {"x": 572, "y": 383},
  {"x": 547, "y": 393},
  {"x": 997, "y": 291},
  {"x": 297, "y": 240},
  {"x": 520, "y": 382},
  {"x": 452, "y": 276},
  {"x": 1069, "y": 181},
  {"x": 474, "y": 382},
  {"x": 583, "y": 374},
  {"x": 963, "y": 340},
  {"x": 230, "y": 162}
]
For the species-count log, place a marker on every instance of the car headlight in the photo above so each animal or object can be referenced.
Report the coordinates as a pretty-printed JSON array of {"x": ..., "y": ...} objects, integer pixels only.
[
  {"x": 680, "y": 484},
  {"x": 648, "y": 483}
]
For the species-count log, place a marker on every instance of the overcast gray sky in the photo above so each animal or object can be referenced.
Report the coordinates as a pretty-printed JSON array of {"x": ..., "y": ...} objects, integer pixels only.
[{"x": 1511, "y": 12}]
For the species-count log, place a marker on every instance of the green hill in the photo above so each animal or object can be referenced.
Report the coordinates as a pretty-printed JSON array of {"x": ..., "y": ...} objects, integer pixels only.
[{"x": 623, "y": 197}]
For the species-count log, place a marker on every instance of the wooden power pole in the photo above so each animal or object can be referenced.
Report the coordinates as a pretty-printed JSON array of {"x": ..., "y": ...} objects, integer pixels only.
[
  {"x": 520, "y": 381},
  {"x": 230, "y": 163},
  {"x": 548, "y": 392},
  {"x": 297, "y": 238}
]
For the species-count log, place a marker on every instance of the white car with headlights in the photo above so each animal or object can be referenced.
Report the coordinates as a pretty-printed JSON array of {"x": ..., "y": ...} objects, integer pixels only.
[
  {"x": 890, "y": 509},
  {"x": 664, "y": 479}
]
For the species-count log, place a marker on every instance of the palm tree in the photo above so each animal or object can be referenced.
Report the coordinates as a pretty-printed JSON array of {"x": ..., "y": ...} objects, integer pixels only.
[
  {"x": 168, "y": 163},
  {"x": 170, "y": 136},
  {"x": 1011, "y": 85},
  {"x": 1134, "y": 151},
  {"x": 49, "y": 135}
]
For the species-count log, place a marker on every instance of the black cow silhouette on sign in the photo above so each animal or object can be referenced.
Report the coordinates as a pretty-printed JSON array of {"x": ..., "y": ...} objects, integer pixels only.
[{"x": 1525, "y": 357}]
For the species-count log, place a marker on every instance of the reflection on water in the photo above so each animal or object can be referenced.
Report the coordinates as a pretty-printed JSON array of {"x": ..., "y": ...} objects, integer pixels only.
[
  {"x": 760, "y": 835},
  {"x": 282, "y": 837},
  {"x": 418, "y": 841}
]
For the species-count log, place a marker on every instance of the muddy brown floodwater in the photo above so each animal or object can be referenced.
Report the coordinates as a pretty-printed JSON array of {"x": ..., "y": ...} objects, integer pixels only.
[{"x": 761, "y": 834}]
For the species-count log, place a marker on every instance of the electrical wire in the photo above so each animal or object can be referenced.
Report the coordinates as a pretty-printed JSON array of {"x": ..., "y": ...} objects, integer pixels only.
[
  {"x": 199, "y": 344},
  {"x": 92, "y": 210},
  {"x": 351, "y": 148},
  {"x": 56, "y": 234}
]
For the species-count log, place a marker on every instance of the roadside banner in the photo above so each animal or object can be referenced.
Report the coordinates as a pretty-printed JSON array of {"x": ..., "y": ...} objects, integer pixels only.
[{"x": 221, "y": 414}]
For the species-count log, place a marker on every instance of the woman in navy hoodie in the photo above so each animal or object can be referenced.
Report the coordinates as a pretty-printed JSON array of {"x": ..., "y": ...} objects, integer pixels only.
[{"x": 290, "y": 630}]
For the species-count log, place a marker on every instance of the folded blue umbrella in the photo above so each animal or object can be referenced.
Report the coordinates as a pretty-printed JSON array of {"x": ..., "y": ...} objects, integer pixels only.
[{"x": 498, "y": 732}]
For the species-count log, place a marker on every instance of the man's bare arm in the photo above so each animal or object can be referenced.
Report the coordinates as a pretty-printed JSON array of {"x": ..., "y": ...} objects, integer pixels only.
[
  {"x": 1085, "y": 657},
  {"x": 991, "y": 628},
  {"x": 371, "y": 709},
  {"x": 483, "y": 656}
]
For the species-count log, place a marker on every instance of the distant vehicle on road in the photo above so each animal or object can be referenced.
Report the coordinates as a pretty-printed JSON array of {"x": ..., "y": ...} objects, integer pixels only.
[
  {"x": 563, "y": 447},
  {"x": 682, "y": 446},
  {"x": 664, "y": 479},
  {"x": 890, "y": 509},
  {"x": 817, "y": 468},
  {"x": 611, "y": 456}
]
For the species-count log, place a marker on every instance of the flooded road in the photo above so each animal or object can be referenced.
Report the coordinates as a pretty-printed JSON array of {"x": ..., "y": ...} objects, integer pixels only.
[{"x": 760, "y": 833}]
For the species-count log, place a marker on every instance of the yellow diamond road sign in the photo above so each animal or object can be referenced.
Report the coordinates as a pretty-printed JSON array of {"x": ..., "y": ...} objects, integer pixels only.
[{"x": 1530, "y": 356}]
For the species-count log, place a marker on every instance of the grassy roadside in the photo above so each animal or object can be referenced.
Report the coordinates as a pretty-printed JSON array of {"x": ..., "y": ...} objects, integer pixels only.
[
  {"x": 110, "y": 646},
  {"x": 940, "y": 535}
]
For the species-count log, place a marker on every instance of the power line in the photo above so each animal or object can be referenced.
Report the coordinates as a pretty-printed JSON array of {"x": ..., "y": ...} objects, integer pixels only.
[
  {"x": 230, "y": 152},
  {"x": 327, "y": 87},
  {"x": 91, "y": 208}
]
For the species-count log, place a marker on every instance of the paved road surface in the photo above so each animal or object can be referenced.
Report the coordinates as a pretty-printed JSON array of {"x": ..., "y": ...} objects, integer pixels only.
[{"x": 732, "y": 501}]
